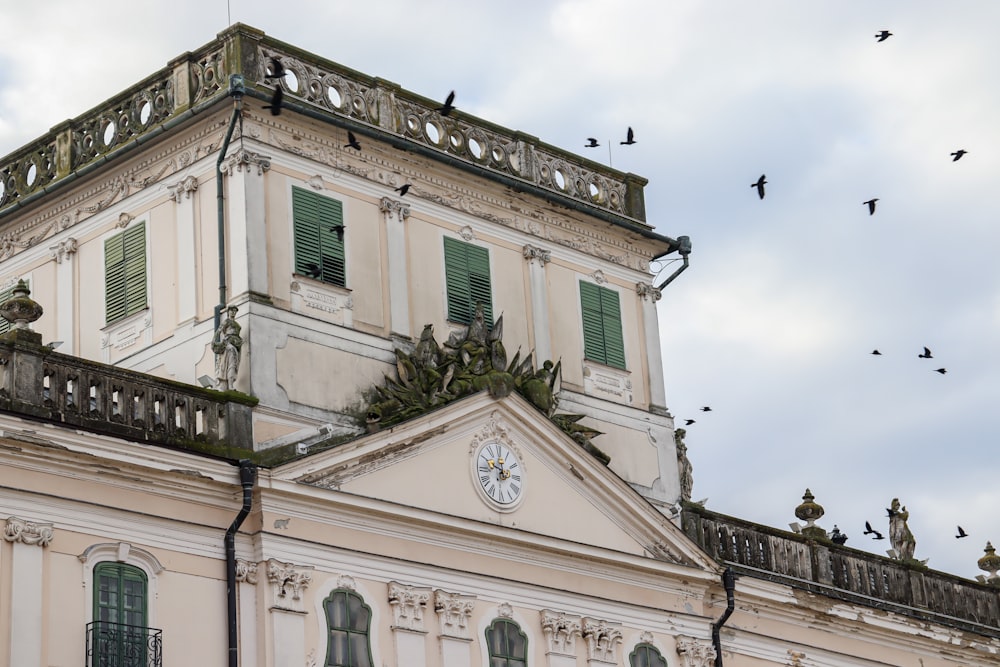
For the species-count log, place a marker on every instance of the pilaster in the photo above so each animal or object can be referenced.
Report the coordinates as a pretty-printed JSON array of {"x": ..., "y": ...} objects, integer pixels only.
[
  {"x": 287, "y": 612},
  {"x": 394, "y": 214},
  {"x": 649, "y": 295},
  {"x": 695, "y": 653},
  {"x": 408, "y": 605},
  {"x": 64, "y": 253},
  {"x": 561, "y": 631},
  {"x": 603, "y": 641},
  {"x": 537, "y": 258},
  {"x": 28, "y": 540},
  {"x": 246, "y": 595},
  {"x": 454, "y": 611},
  {"x": 183, "y": 195},
  {"x": 247, "y": 252}
]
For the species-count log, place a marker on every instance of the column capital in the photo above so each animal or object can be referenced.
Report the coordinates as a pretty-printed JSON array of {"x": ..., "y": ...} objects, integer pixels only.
[
  {"x": 561, "y": 631},
  {"x": 288, "y": 582},
  {"x": 63, "y": 249},
  {"x": 394, "y": 207},
  {"x": 184, "y": 188},
  {"x": 603, "y": 639},
  {"x": 694, "y": 653},
  {"x": 408, "y": 604},
  {"x": 454, "y": 611},
  {"x": 27, "y": 532},
  {"x": 647, "y": 291},
  {"x": 246, "y": 571},
  {"x": 244, "y": 159},
  {"x": 533, "y": 253}
]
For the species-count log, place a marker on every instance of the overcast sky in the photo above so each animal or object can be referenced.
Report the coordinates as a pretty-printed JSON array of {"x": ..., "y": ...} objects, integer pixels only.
[{"x": 773, "y": 324}]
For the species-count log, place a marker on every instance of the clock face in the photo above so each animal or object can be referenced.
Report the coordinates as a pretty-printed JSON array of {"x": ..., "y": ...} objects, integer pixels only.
[{"x": 499, "y": 474}]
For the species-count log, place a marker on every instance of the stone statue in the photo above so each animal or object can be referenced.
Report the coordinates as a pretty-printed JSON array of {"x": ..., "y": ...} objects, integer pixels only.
[
  {"x": 684, "y": 469},
  {"x": 226, "y": 344},
  {"x": 900, "y": 536}
]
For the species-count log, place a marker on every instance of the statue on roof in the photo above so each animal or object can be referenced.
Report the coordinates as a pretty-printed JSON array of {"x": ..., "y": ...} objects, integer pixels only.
[
  {"x": 684, "y": 469},
  {"x": 227, "y": 345},
  {"x": 902, "y": 540}
]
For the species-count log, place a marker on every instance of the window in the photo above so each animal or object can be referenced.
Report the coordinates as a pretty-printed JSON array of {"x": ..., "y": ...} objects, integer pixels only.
[
  {"x": 508, "y": 646},
  {"x": 118, "y": 635},
  {"x": 347, "y": 619},
  {"x": 602, "y": 325},
  {"x": 125, "y": 273},
  {"x": 318, "y": 235},
  {"x": 646, "y": 655},
  {"x": 4, "y": 295},
  {"x": 467, "y": 275}
]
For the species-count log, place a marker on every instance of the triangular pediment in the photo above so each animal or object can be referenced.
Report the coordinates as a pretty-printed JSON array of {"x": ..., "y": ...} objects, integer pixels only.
[{"x": 438, "y": 463}]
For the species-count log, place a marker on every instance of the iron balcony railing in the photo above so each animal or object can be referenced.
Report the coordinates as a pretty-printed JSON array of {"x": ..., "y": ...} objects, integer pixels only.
[{"x": 119, "y": 645}]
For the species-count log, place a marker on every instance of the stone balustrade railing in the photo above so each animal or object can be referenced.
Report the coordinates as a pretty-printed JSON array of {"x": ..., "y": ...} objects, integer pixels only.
[
  {"x": 197, "y": 81},
  {"x": 38, "y": 383},
  {"x": 844, "y": 573}
]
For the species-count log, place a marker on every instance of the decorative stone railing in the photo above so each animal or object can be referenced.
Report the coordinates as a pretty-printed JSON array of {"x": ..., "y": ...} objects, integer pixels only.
[
  {"x": 844, "y": 573},
  {"x": 198, "y": 80},
  {"x": 40, "y": 384}
]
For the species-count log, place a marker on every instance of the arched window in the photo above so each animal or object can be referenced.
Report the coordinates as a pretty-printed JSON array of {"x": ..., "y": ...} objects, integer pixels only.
[
  {"x": 119, "y": 634},
  {"x": 646, "y": 655},
  {"x": 348, "y": 619},
  {"x": 508, "y": 646}
]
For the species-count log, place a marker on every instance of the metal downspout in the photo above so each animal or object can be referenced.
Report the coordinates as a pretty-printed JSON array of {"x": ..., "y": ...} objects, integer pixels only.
[
  {"x": 236, "y": 89},
  {"x": 248, "y": 475},
  {"x": 729, "y": 583}
]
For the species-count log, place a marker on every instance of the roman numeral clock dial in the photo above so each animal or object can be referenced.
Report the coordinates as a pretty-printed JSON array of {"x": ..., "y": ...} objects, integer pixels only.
[{"x": 499, "y": 475}]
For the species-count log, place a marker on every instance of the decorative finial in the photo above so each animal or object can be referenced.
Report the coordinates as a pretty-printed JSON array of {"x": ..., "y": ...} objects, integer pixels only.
[
  {"x": 809, "y": 512},
  {"x": 990, "y": 563},
  {"x": 21, "y": 310}
]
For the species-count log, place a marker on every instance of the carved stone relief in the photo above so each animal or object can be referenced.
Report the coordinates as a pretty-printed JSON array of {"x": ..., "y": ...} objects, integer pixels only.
[
  {"x": 454, "y": 611},
  {"x": 27, "y": 532},
  {"x": 246, "y": 571},
  {"x": 288, "y": 581},
  {"x": 561, "y": 631},
  {"x": 603, "y": 639},
  {"x": 695, "y": 653},
  {"x": 408, "y": 604}
]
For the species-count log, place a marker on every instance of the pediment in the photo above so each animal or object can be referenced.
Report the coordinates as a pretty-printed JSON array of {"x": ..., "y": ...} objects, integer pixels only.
[{"x": 431, "y": 463}]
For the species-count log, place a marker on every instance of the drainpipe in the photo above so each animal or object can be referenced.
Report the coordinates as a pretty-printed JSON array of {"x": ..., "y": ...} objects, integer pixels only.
[
  {"x": 236, "y": 90},
  {"x": 248, "y": 474},
  {"x": 684, "y": 249},
  {"x": 729, "y": 583}
]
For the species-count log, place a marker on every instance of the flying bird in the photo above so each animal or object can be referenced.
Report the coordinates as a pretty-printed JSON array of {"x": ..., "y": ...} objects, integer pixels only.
[
  {"x": 706, "y": 409},
  {"x": 871, "y": 531},
  {"x": 403, "y": 189},
  {"x": 759, "y": 185},
  {"x": 276, "y": 70},
  {"x": 447, "y": 107},
  {"x": 878, "y": 536},
  {"x": 275, "y": 105},
  {"x": 926, "y": 354},
  {"x": 313, "y": 270},
  {"x": 629, "y": 138},
  {"x": 942, "y": 371},
  {"x": 352, "y": 141},
  {"x": 592, "y": 143},
  {"x": 884, "y": 35},
  {"x": 957, "y": 155},
  {"x": 877, "y": 352},
  {"x": 961, "y": 533},
  {"x": 871, "y": 205},
  {"x": 688, "y": 422},
  {"x": 339, "y": 231}
]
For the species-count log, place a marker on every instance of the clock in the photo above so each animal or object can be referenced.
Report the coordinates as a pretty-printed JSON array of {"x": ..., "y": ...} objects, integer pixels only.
[{"x": 499, "y": 475}]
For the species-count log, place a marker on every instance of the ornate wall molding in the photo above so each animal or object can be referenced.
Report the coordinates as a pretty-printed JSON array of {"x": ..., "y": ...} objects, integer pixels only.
[
  {"x": 63, "y": 250},
  {"x": 183, "y": 190},
  {"x": 288, "y": 581},
  {"x": 603, "y": 639},
  {"x": 561, "y": 631},
  {"x": 695, "y": 653},
  {"x": 246, "y": 571},
  {"x": 454, "y": 611},
  {"x": 408, "y": 604},
  {"x": 244, "y": 160},
  {"x": 27, "y": 532},
  {"x": 535, "y": 254}
]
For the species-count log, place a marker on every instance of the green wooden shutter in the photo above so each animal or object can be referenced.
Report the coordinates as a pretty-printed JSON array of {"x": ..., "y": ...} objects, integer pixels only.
[
  {"x": 315, "y": 221},
  {"x": 467, "y": 278},
  {"x": 603, "y": 341},
  {"x": 125, "y": 273}
]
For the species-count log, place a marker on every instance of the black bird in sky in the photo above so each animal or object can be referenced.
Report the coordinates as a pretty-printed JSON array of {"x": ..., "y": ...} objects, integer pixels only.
[
  {"x": 884, "y": 35},
  {"x": 871, "y": 205},
  {"x": 591, "y": 143},
  {"x": 688, "y": 422},
  {"x": 942, "y": 371},
  {"x": 313, "y": 270},
  {"x": 759, "y": 185},
  {"x": 926, "y": 354},
  {"x": 403, "y": 189},
  {"x": 878, "y": 536},
  {"x": 961, "y": 533},
  {"x": 447, "y": 107},
  {"x": 352, "y": 141},
  {"x": 339, "y": 231},
  {"x": 871, "y": 531},
  {"x": 276, "y": 70},
  {"x": 706, "y": 409},
  {"x": 275, "y": 105},
  {"x": 629, "y": 138},
  {"x": 877, "y": 352},
  {"x": 957, "y": 155}
]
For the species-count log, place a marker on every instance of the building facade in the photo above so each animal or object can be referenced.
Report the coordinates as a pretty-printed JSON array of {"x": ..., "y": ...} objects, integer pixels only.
[{"x": 344, "y": 378}]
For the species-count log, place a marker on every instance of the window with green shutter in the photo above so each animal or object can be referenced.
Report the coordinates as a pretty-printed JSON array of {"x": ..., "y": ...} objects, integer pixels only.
[
  {"x": 125, "y": 273},
  {"x": 318, "y": 235},
  {"x": 602, "y": 325},
  {"x": 467, "y": 274}
]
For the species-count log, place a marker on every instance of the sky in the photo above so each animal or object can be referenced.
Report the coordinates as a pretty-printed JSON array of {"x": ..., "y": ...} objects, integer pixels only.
[{"x": 774, "y": 322}]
